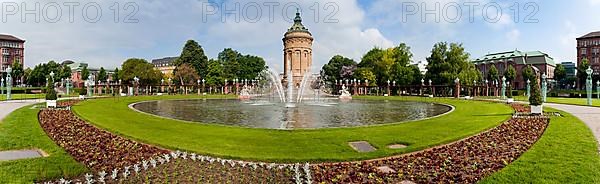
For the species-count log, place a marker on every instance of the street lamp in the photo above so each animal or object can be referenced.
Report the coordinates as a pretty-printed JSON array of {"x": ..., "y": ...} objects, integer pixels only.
[
  {"x": 430, "y": 82},
  {"x": 422, "y": 82},
  {"x": 598, "y": 88},
  {"x": 503, "y": 87},
  {"x": 589, "y": 85},
  {"x": 544, "y": 87}
]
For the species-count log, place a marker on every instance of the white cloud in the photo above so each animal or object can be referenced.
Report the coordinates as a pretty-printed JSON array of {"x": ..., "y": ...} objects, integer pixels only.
[{"x": 513, "y": 35}]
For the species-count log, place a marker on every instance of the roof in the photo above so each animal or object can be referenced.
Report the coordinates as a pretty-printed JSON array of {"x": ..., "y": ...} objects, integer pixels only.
[
  {"x": 10, "y": 38},
  {"x": 298, "y": 26},
  {"x": 591, "y": 35},
  {"x": 516, "y": 54},
  {"x": 166, "y": 60}
]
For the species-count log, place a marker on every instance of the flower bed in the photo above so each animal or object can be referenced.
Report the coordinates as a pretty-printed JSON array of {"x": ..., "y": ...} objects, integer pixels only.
[
  {"x": 466, "y": 161},
  {"x": 67, "y": 103},
  {"x": 97, "y": 149},
  {"x": 521, "y": 108}
]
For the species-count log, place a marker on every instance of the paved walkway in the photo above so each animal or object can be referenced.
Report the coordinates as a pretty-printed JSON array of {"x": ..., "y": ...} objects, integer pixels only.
[
  {"x": 589, "y": 115},
  {"x": 6, "y": 107}
]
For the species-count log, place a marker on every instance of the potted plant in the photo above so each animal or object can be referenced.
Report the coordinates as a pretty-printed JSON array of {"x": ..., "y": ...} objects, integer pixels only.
[
  {"x": 51, "y": 97},
  {"x": 509, "y": 96},
  {"x": 535, "y": 100},
  {"x": 82, "y": 93}
]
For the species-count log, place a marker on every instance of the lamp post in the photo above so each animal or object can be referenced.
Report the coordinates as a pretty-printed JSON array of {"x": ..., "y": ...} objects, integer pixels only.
[
  {"x": 169, "y": 85},
  {"x": 544, "y": 87},
  {"x": 598, "y": 89},
  {"x": 162, "y": 85},
  {"x": 487, "y": 88},
  {"x": 589, "y": 85},
  {"x": 198, "y": 86},
  {"x": 137, "y": 84},
  {"x": 457, "y": 87},
  {"x": 8, "y": 83},
  {"x": 388, "y": 87},
  {"x": 203, "y": 85},
  {"x": 503, "y": 87},
  {"x": 68, "y": 85},
  {"x": 1, "y": 85},
  {"x": 528, "y": 88}
]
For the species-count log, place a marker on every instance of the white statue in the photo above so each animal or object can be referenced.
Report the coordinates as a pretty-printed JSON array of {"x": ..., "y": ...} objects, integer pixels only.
[{"x": 344, "y": 93}]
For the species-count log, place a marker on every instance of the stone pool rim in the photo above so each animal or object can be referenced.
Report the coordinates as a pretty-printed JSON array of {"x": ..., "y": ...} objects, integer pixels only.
[{"x": 131, "y": 106}]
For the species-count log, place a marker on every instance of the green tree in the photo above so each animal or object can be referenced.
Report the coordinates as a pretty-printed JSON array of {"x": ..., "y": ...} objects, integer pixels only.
[
  {"x": 492, "y": 73},
  {"x": 140, "y": 68},
  {"x": 364, "y": 74},
  {"x": 214, "y": 73},
  {"x": 528, "y": 74},
  {"x": 193, "y": 54},
  {"x": 581, "y": 72},
  {"x": 102, "y": 75},
  {"x": 65, "y": 72},
  {"x": 17, "y": 70},
  {"x": 390, "y": 64},
  {"x": 85, "y": 73},
  {"x": 42, "y": 71},
  {"x": 560, "y": 74},
  {"x": 236, "y": 65},
  {"x": 332, "y": 71},
  {"x": 536, "y": 96},
  {"x": 448, "y": 62},
  {"x": 510, "y": 74},
  {"x": 115, "y": 75}
]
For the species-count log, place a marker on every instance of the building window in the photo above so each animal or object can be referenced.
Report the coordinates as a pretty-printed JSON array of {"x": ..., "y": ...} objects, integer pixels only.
[
  {"x": 583, "y": 51},
  {"x": 596, "y": 60}
]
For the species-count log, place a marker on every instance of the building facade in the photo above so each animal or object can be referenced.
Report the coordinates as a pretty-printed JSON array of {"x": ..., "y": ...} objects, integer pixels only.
[
  {"x": 76, "y": 73},
  {"x": 297, "y": 52},
  {"x": 12, "y": 49},
  {"x": 541, "y": 63},
  {"x": 588, "y": 47},
  {"x": 570, "y": 68},
  {"x": 165, "y": 65}
]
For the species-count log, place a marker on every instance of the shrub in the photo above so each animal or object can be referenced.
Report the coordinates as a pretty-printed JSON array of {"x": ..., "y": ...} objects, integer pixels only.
[
  {"x": 82, "y": 91},
  {"x": 510, "y": 94},
  {"x": 51, "y": 93},
  {"x": 536, "y": 95}
]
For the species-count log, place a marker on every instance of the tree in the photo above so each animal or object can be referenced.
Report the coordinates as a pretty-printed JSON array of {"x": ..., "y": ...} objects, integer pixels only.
[
  {"x": 193, "y": 54},
  {"x": 115, "y": 75},
  {"x": 42, "y": 71},
  {"x": 140, "y": 68},
  {"x": 390, "y": 64},
  {"x": 85, "y": 73},
  {"x": 332, "y": 71},
  {"x": 17, "y": 70},
  {"x": 186, "y": 74},
  {"x": 536, "y": 96},
  {"x": 560, "y": 74},
  {"x": 214, "y": 73},
  {"x": 528, "y": 74},
  {"x": 102, "y": 76},
  {"x": 448, "y": 62},
  {"x": 65, "y": 72},
  {"x": 27, "y": 74},
  {"x": 510, "y": 73},
  {"x": 581, "y": 72},
  {"x": 236, "y": 65},
  {"x": 492, "y": 73},
  {"x": 365, "y": 74}
]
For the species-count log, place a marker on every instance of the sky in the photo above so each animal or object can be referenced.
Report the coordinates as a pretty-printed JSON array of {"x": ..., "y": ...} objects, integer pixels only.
[{"x": 106, "y": 33}]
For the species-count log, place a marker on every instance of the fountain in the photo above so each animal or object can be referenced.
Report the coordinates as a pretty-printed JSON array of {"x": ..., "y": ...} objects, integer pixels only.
[{"x": 244, "y": 93}]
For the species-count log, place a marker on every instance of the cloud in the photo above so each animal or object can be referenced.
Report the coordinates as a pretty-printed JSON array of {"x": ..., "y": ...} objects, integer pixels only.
[{"x": 513, "y": 35}]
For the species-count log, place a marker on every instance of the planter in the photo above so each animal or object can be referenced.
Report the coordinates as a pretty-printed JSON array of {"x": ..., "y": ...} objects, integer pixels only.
[
  {"x": 81, "y": 97},
  {"x": 50, "y": 103},
  {"x": 536, "y": 109},
  {"x": 510, "y": 100}
]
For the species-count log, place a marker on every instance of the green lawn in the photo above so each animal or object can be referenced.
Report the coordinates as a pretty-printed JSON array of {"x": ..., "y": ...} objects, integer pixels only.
[
  {"x": 22, "y": 96},
  {"x": 566, "y": 153},
  {"x": 568, "y": 101},
  {"x": 469, "y": 118},
  {"x": 21, "y": 130}
]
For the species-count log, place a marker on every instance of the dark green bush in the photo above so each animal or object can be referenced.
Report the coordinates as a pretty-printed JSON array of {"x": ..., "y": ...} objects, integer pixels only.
[{"x": 536, "y": 95}]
